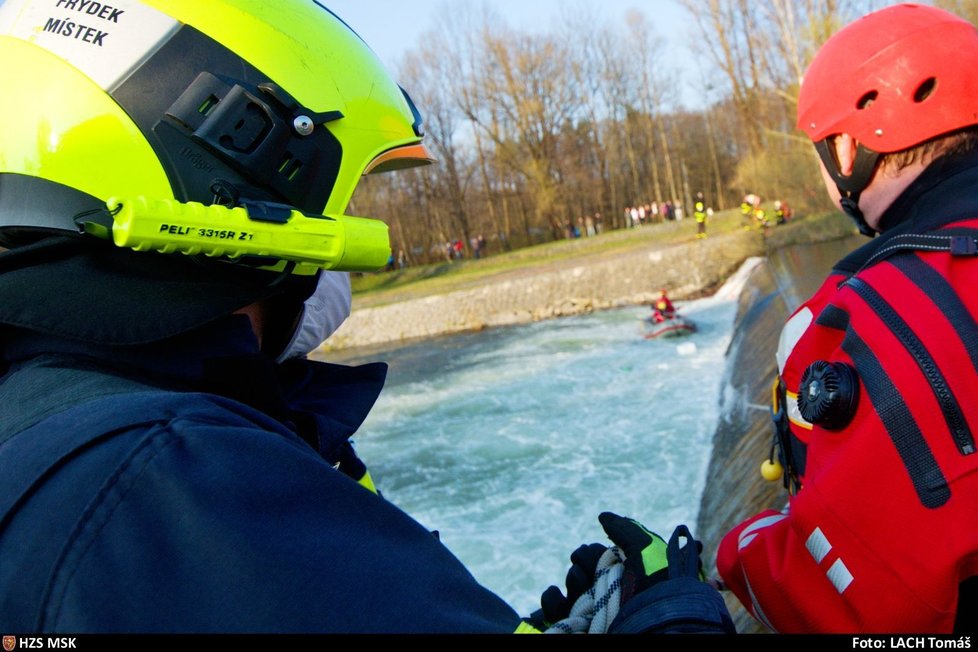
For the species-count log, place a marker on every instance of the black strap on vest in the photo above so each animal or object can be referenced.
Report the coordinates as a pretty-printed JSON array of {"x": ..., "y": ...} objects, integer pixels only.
[
  {"x": 957, "y": 242},
  {"x": 929, "y": 482}
]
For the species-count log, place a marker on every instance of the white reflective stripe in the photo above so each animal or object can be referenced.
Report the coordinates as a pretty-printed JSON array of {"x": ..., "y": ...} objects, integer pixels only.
[
  {"x": 794, "y": 414},
  {"x": 106, "y": 41},
  {"x": 818, "y": 545},
  {"x": 758, "y": 612},
  {"x": 748, "y": 533},
  {"x": 840, "y": 576},
  {"x": 793, "y": 329}
]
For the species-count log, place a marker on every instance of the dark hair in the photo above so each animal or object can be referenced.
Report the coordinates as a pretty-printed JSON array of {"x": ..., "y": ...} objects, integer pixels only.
[{"x": 958, "y": 143}]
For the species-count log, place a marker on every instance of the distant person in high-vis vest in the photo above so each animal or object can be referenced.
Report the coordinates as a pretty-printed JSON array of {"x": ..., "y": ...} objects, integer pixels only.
[{"x": 700, "y": 214}]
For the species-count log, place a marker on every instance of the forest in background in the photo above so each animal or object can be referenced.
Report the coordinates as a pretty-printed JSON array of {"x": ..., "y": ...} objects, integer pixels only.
[{"x": 538, "y": 132}]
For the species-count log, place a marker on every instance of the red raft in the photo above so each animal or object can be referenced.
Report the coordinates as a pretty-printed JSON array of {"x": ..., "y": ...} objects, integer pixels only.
[{"x": 675, "y": 326}]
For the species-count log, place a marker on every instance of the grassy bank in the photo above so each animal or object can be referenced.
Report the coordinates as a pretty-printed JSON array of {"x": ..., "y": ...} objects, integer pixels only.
[{"x": 382, "y": 288}]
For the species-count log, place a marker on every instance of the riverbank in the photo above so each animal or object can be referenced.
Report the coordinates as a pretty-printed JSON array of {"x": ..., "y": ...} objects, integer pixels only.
[{"x": 572, "y": 285}]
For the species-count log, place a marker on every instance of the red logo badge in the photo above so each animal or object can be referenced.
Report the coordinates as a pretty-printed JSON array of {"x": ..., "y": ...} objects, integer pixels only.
[{"x": 9, "y": 643}]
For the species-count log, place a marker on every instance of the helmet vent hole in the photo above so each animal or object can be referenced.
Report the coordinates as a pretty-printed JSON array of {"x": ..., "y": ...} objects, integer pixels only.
[
  {"x": 867, "y": 100},
  {"x": 208, "y": 105},
  {"x": 290, "y": 167},
  {"x": 924, "y": 90}
]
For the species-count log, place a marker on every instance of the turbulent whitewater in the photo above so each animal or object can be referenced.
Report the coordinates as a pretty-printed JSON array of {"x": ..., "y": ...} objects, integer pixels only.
[{"x": 510, "y": 442}]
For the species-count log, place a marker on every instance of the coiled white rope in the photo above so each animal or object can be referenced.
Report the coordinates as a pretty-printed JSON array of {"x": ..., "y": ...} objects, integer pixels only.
[{"x": 597, "y": 608}]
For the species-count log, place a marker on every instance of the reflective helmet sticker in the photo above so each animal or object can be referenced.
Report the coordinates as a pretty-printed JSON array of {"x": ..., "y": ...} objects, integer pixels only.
[{"x": 104, "y": 41}]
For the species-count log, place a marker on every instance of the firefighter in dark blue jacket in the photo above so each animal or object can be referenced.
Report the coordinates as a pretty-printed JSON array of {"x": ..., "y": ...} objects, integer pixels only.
[{"x": 172, "y": 209}]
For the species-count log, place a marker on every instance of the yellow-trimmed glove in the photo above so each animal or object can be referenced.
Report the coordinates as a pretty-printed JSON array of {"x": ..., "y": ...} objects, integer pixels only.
[
  {"x": 663, "y": 590},
  {"x": 646, "y": 561}
]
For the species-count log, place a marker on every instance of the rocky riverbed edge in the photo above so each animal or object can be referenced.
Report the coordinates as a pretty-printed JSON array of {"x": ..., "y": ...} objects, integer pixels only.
[{"x": 687, "y": 270}]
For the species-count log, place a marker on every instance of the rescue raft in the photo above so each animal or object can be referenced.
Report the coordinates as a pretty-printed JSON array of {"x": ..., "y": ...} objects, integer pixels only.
[{"x": 675, "y": 326}]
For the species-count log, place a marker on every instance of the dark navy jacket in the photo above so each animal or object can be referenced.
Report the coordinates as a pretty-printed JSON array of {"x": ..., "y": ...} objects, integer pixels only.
[{"x": 193, "y": 487}]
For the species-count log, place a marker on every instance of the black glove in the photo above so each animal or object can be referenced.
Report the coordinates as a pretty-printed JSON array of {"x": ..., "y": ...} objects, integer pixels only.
[
  {"x": 662, "y": 584},
  {"x": 554, "y": 605},
  {"x": 646, "y": 562}
]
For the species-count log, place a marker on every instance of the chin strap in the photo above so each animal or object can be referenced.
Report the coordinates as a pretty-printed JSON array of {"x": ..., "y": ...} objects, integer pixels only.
[
  {"x": 850, "y": 206},
  {"x": 850, "y": 187}
]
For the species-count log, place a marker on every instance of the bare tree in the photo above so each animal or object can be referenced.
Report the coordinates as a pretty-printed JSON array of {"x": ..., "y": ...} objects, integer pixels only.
[
  {"x": 533, "y": 130},
  {"x": 442, "y": 122}
]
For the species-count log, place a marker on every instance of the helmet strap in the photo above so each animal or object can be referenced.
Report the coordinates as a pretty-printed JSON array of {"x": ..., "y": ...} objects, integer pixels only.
[
  {"x": 850, "y": 206},
  {"x": 851, "y": 186}
]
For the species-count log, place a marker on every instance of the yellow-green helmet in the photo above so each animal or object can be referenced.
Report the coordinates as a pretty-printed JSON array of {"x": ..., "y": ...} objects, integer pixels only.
[
  {"x": 208, "y": 101},
  {"x": 240, "y": 126}
]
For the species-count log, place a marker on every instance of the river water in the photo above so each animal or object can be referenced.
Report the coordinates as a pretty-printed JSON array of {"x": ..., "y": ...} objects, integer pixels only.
[{"x": 510, "y": 442}]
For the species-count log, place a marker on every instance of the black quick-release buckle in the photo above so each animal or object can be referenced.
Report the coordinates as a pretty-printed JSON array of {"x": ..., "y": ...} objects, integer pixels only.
[
  {"x": 963, "y": 245},
  {"x": 782, "y": 443}
]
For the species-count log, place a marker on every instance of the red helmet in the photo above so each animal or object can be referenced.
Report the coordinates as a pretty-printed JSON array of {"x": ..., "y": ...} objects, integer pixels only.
[{"x": 893, "y": 79}]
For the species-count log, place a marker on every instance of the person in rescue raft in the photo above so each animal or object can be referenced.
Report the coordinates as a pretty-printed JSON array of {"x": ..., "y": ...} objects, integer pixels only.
[
  {"x": 875, "y": 412},
  {"x": 663, "y": 308},
  {"x": 170, "y": 198}
]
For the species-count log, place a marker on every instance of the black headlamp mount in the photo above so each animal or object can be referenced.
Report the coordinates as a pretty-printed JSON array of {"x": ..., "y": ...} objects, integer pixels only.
[{"x": 260, "y": 132}]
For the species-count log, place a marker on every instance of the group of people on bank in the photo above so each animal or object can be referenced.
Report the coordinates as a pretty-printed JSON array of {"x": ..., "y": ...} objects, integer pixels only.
[
  {"x": 174, "y": 461},
  {"x": 654, "y": 212},
  {"x": 657, "y": 212},
  {"x": 758, "y": 217}
]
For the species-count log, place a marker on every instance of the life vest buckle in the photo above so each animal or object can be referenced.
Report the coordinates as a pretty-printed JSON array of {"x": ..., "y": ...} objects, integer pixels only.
[{"x": 963, "y": 245}]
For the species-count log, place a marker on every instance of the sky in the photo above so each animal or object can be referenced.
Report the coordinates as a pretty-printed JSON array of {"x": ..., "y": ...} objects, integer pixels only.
[{"x": 393, "y": 27}]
